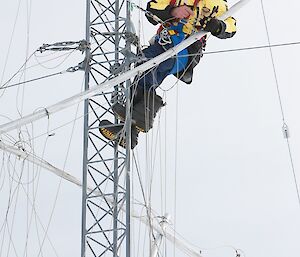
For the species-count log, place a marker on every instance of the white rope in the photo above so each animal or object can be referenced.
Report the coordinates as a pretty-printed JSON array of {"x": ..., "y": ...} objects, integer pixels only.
[{"x": 111, "y": 83}]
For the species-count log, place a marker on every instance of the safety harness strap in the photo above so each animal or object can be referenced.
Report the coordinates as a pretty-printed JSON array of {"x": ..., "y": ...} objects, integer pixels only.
[
  {"x": 182, "y": 57},
  {"x": 173, "y": 3}
]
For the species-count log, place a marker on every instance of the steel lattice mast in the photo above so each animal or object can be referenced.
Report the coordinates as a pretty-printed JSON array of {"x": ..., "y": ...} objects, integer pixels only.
[{"x": 105, "y": 231}]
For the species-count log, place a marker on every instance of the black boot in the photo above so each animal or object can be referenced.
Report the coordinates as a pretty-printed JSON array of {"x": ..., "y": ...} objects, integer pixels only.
[
  {"x": 115, "y": 132},
  {"x": 146, "y": 105}
]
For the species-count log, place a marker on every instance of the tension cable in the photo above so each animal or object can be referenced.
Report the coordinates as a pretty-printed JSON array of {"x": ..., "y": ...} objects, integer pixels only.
[
  {"x": 81, "y": 45},
  {"x": 71, "y": 69},
  {"x": 285, "y": 128}
]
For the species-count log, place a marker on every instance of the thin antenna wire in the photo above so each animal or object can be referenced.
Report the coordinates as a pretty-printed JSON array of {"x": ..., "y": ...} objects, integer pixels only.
[
  {"x": 280, "y": 103},
  {"x": 251, "y": 48},
  {"x": 10, "y": 44}
]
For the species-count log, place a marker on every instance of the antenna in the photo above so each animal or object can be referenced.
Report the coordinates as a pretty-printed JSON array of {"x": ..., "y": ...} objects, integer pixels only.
[{"x": 106, "y": 167}]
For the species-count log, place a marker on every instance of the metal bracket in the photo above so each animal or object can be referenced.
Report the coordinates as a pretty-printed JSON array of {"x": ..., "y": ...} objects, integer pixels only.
[
  {"x": 285, "y": 131},
  {"x": 116, "y": 68},
  {"x": 81, "y": 45},
  {"x": 132, "y": 38},
  {"x": 81, "y": 66}
]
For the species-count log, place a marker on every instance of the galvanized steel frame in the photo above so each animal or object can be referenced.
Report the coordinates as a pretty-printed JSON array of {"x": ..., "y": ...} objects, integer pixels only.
[{"x": 105, "y": 231}]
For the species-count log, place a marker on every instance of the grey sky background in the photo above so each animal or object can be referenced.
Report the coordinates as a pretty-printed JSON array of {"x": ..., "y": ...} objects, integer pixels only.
[{"x": 235, "y": 186}]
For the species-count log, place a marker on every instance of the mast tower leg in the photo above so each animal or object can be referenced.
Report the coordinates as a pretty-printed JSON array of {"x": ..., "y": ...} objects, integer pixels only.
[{"x": 105, "y": 232}]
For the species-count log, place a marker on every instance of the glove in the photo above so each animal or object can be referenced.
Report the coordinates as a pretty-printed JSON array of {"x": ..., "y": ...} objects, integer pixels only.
[{"x": 214, "y": 26}]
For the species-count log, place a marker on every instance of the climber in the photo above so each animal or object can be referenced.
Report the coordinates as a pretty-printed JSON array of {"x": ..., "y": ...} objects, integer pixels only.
[{"x": 178, "y": 19}]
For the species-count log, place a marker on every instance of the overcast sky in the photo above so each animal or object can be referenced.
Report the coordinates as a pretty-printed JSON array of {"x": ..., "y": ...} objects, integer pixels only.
[{"x": 235, "y": 186}]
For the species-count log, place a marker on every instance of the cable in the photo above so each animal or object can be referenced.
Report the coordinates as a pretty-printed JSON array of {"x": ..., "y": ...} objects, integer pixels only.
[
  {"x": 57, "y": 65},
  {"x": 176, "y": 155},
  {"x": 35, "y": 79},
  {"x": 24, "y": 72},
  {"x": 61, "y": 179},
  {"x": 22, "y": 69},
  {"x": 11, "y": 196},
  {"x": 19, "y": 70},
  {"x": 10, "y": 43},
  {"x": 35, "y": 191},
  {"x": 33, "y": 206},
  {"x": 251, "y": 48},
  {"x": 281, "y": 104},
  {"x": 46, "y": 236}
]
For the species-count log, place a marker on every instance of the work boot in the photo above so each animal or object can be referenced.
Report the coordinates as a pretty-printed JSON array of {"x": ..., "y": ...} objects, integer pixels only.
[
  {"x": 115, "y": 132},
  {"x": 145, "y": 107}
]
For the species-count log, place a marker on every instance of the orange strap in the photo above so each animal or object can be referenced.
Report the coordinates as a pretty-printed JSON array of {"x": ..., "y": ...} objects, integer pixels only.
[
  {"x": 196, "y": 2},
  {"x": 173, "y": 2}
]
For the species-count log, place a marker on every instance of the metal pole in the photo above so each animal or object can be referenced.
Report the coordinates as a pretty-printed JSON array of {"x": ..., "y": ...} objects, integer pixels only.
[
  {"x": 128, "y": 146},
  {"x": 116, "y": 162},
  {"x": 128, "y": 173},
  {"x": 85, "y": 131}
]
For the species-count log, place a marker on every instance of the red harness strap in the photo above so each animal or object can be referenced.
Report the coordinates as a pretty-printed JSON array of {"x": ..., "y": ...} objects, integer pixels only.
[
  {"x": 173, "y": 2},
  {"x": 196, "y": 2}
]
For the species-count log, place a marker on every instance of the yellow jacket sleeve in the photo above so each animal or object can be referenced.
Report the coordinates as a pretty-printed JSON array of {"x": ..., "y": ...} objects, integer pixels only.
[
  {"x": 229, "y": 28},
  {"x": 229, "y": 25}
]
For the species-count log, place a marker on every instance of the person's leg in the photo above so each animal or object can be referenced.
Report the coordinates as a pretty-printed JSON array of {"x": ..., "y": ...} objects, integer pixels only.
[
  {"x": 152, "y": 78},
  {"x": 146, "y": 103}
]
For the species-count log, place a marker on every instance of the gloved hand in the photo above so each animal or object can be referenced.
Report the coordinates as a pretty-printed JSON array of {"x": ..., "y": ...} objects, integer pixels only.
[{"x": 214, "y": 26}]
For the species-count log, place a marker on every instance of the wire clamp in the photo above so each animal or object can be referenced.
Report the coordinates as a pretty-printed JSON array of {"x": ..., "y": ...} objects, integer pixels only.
[
  {"x": 81, "y": 45},
  {"x": 132, "y": 38},
  {"x": 285, "y": 131},
  {"x": 238, "y": 254},
  {"x": 47, "y": 113},
  {"x": 73, "y": 69}
]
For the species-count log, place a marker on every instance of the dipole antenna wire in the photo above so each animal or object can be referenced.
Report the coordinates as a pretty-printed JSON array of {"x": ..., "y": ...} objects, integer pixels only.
[
  {"x": 181, "y": 245},
  {"x": 252, "y": 48},
  {"x": 285, "y": 127}
]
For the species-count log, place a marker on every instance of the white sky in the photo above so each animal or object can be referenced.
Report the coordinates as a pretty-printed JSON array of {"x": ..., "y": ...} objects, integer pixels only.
[{"x": 235, "y": 185}]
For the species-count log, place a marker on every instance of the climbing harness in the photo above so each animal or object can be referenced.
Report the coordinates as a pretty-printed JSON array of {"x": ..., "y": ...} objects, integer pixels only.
[
  {"x": 164, "y": 37},
  {"x": 177, "y": 36}
]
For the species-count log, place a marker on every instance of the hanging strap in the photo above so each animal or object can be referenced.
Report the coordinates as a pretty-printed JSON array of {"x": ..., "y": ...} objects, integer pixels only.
[
  {"x": 173, "y": 3},
  {"x": 196, "y": 2}
]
